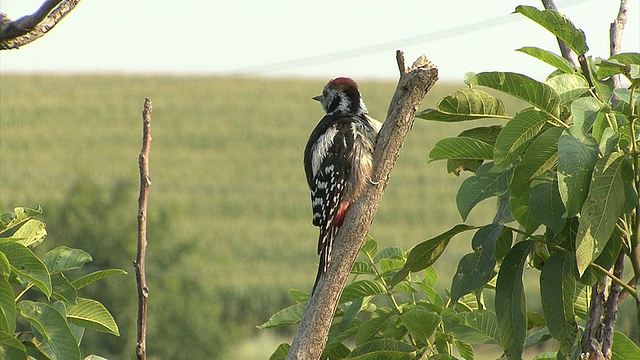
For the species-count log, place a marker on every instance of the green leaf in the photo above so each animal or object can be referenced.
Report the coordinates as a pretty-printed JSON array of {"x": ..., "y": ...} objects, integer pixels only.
[
  {"x": 461, "y": 148},
  {"x": 475, "y": 327},
  {"x": 550, "y": 58},
  {"x": 62, "y": 289},
  {"x": 391, "y": 265},
  {"x": 371, "y": 327},
  {"x": 31, "y": 233},
  {"x": 53, "y": 327},
  {"x": 26, "y": 264},
  {"x": 11, "y": 348},
  {"x": 420, "y": 323},
  {"x": 337, "y": 351},
  {"x": 298, "y": 296},
  {"x": 432, "y": 295},
  {"x": 606, "y": 259},
  {"x": 426, "y": 253},
  {"x": 603, "y": 88},
  {"x": 281, "y": 352},
  {"x": 522, "y": 87},
  {"x": 369, "y": 248},
  {"x": 557, "y": 291},
  {"x": 623, "y": 348},
  {"x": 503, "y": 244},
  {"x": 545, "y": 204},
  {"x": 390, "y": 253},
  {"x": 353, "y": 309},
  {"x": 465, "y": 349},
  {"x": 585, "y": 112},
  {"x": 64, "y": 258},
  {"x": 487, "y": 182},
  {"x": 476, "y": 269},
  {"x": 361, "y": 267},
  {"x": 601, "y": 209},
  {"x": 546, "y": 356},
  {"x": 621, "y": 63},
  {"x": 517, "y": 133},
  {"x": 95, "y": 276},
  {"x": 5, "y": 267},
  {"x": 486, "y": 134},
  {"x": 577, "y": 156},
  {"x": 521, "y": 212},
  {"x": 466, "y": 104},
  {"x": 569, "y": 86},
  {"x": 20, "y": 215},
  {"x": 541, "y": 156},
  {"x": 94, "y": 357},
  {"x": 389, "y": 347},
  {"x": 7, "y": 307},
  {"x": 361, "y": 288},
  {"x": 288, "y": 316},
  {"x": 510, "y": 300},
  {"x": 559, "y": 25},
  {"x": 92, "y": 315}
]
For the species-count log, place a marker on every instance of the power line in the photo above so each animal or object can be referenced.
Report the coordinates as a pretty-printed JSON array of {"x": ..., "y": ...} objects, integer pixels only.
[{"x": 381, "y": 47}]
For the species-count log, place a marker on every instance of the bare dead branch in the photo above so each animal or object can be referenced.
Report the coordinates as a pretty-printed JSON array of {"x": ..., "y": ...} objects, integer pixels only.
[
  {"x": 140, "y": 262},
  {"x": 26, "y": 29},
  {"x": 413, "y": 85},
  {"x": 615, "y": 35},
  {"x": 566, "y": 52}
]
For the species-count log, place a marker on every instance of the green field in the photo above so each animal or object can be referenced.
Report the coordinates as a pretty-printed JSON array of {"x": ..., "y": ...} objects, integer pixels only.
[{"x": 226, "y": 166}]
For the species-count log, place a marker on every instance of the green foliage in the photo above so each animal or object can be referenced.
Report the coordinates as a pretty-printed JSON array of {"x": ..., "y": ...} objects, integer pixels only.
[
  {"x": 50, "y": 326},
  {"x": 416, "y": 321},
  {"x": 565, "y": 169}
]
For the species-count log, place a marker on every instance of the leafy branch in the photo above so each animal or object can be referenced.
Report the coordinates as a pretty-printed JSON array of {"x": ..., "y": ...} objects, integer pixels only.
[
  {"x": 565, "y": 170},
  {"x": 50, "y": 329}
]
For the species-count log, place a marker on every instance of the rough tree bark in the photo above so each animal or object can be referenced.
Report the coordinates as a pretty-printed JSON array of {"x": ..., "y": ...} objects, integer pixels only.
[
  {"x": 28, "y": 28},
  {"x": 413, "y": 85}
]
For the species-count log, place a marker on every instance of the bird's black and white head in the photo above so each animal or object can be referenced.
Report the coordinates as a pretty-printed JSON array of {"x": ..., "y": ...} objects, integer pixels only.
[{"x": 341, "y": 95}]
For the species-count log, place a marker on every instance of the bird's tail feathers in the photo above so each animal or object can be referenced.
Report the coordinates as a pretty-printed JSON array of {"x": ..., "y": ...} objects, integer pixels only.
[{"x": 326, "y": 240}]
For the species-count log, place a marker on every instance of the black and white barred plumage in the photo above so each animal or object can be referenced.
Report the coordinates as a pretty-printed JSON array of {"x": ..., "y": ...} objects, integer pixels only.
[{"x": 338, "y": 159}]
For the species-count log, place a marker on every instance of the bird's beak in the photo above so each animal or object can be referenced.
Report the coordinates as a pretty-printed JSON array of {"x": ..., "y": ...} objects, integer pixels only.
[{"x": 317, "y": 98}]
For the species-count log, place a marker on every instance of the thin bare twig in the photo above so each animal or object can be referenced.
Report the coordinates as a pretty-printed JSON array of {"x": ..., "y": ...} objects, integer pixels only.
[
  {"x": 140, "y": 263},
  {"x": 26, "y": 29},
  {"x": 413, "y": 85}
]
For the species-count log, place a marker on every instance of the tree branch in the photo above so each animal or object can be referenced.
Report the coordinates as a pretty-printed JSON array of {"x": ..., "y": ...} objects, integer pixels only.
[
  {"x": 611, "y": 307},
  {"x": 14, "y": 34},
  {"x": 412, "y": 87},
  {"x": 140, "y": 263},
  {"x": 564, "y": 49},
  {"x": 615, "y": 35}
]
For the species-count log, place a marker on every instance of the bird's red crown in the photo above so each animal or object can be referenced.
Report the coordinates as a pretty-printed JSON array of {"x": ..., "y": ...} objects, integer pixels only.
[{"x": 342, "y": 82}]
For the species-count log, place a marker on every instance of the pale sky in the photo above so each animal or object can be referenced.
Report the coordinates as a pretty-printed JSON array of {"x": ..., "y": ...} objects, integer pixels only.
[{"x": 319, "y": 38}]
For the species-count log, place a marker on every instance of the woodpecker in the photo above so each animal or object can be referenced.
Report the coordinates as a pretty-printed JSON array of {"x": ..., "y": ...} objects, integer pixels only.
[{"x": 338, "y": 160}]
